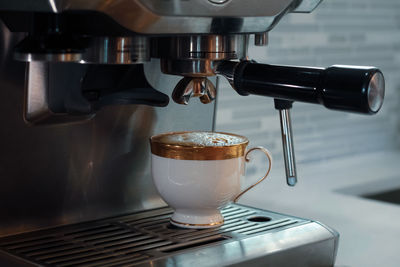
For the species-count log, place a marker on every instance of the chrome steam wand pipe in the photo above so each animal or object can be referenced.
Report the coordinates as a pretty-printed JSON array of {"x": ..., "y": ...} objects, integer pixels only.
[{"x": 284, "y": 107}]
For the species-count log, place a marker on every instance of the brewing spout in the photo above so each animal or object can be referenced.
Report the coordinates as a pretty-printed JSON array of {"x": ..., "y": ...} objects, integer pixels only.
[{"x": 190, "y": 87}]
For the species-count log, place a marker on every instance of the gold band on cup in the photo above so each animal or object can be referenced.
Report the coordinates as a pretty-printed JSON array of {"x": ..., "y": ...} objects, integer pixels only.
[{"x": 182, "y": 151}]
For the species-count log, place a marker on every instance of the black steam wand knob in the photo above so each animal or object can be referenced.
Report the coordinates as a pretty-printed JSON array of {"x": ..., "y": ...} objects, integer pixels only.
[{"x": 284, "y": 107}]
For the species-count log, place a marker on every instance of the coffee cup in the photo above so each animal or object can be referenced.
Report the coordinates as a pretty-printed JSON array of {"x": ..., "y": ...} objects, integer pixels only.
[{"x": 197, "y": 173}]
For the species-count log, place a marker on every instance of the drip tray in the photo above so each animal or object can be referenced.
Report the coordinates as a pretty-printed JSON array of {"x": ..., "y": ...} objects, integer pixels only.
[{"x": 148, "y": 237}]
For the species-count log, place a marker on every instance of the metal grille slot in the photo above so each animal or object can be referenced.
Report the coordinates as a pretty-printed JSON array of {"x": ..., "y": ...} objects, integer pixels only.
[
  {"x": 188, "y": 245},
  {"x": 132, "y": 239}
]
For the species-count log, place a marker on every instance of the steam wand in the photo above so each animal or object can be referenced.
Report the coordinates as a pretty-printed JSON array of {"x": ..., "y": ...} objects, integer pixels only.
[
  {"x": 346, "y": 88},
  {"x": 284, "y": 107}
]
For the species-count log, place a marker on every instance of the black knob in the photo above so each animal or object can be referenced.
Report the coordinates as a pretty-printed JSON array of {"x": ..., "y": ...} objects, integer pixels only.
[
  {"x": 347, "y": 88},
  {"x": 359, "y": 89}
]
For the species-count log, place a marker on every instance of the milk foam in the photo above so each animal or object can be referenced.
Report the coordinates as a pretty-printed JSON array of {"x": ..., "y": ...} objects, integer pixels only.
[{"x": 202, "y": 139}]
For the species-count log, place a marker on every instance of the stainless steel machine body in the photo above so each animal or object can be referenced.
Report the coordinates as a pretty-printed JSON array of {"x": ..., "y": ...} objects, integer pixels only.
[
  {"x": 68, "y": 173},
  {"x": 84, "y": 84},
  {"x": 178, "y": 17},
  {"x": 249, "y": 236}
]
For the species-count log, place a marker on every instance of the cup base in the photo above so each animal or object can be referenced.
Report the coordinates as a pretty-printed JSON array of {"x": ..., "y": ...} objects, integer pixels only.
[{"x": 200, "y": 220}]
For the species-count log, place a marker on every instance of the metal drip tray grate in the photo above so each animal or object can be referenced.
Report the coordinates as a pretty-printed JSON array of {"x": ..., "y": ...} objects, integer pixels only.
[{"x": 136, "y": 238}]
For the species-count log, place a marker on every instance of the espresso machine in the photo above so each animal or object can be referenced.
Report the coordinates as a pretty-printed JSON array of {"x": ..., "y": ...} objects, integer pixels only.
[{"x": 84, "y": 84}]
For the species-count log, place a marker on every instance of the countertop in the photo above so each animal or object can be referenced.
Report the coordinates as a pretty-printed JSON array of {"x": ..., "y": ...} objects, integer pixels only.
[{"x": 330, "y": 192}]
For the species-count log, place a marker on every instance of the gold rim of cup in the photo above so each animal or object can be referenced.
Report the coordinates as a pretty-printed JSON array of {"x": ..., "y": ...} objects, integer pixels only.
[{"x": 182, "y": 151}]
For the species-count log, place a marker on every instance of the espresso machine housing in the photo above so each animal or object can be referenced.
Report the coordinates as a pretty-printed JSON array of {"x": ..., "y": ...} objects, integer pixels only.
[{"x": 84, "y": 84}]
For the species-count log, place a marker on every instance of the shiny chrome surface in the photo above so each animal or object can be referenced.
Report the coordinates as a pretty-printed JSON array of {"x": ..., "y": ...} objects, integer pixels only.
[
  {"x": 101, "y": 50},
  {"x": 376, "y": 92},
  {"x": 63, "y": 174},
  {"x": 166, "y": 17},
  {"x": 118, "y": 50},
  {"x": 188, "y": 67},
  {"x": 210, "y": 47},
  {"x": 196, "y": 55},
  {"x": 190, "y": 87},
  {"x": 36, "y": 103},
  {"x": 218, "y": 1},
  {"x": 307, "y": 6},
  {"x": 249, "y": 236},
  {"x": 288, "y": 147},
  {"x": 36, "y": 92},
  {"x": 54, "y": 57},
  {"x": 261, "y": 39}
]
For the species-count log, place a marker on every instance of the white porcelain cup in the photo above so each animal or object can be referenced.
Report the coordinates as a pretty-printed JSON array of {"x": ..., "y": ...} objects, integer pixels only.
[{"x": 197, "y": 173}]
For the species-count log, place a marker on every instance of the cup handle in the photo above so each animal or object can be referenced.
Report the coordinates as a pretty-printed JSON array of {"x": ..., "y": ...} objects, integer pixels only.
[{"x": 268, "y": 154}]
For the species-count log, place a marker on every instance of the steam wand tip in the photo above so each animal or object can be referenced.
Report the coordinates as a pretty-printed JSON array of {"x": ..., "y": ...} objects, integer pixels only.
[{"x": 291, "y": 181}]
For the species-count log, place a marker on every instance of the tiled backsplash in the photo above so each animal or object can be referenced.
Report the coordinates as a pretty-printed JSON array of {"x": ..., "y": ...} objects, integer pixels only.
[{"x": 353, "y": 32}]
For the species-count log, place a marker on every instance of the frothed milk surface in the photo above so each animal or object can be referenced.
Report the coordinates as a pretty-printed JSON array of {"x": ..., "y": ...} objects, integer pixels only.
[
  {"x": 198, "y": 145},
  {"x": 202, "y": 139}
]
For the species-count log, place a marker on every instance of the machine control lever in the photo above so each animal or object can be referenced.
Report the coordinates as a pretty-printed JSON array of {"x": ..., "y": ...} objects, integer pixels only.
[{"x": 284, "y": 107}]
